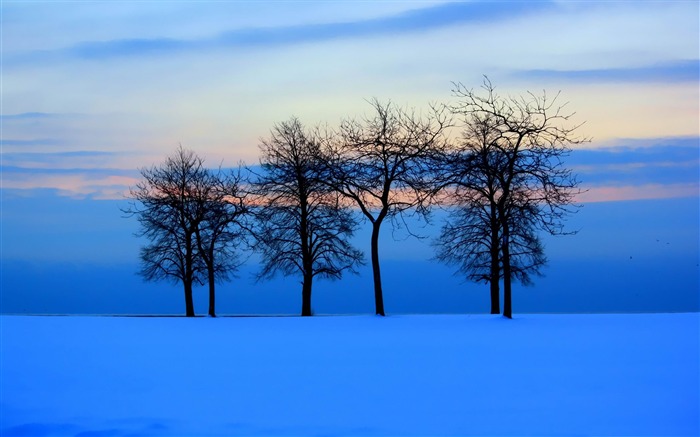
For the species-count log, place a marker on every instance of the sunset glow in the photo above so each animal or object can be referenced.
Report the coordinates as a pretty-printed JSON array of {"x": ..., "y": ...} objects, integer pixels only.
[{"x": 94, "y": 91}]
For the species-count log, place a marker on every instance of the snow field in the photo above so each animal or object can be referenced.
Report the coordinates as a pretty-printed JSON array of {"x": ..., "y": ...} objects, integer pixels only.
[{"x": 351, "y": 375}]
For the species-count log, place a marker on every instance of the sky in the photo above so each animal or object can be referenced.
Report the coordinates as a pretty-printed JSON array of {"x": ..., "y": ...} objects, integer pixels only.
[{"x": 94, "y": 90}]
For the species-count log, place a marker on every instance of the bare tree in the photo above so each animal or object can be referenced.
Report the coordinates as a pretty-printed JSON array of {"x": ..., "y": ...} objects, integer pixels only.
[
  {"x": 163, "y": 206},
  {"x": 302, "y": 227},
  {"x": 185, "y": 211},
  {"x": 471, "y": 237},
  {"x": 471, "y": 240},
  {"x": 381, "y": 164},
  {"x": 222, "y": 208},
  {"x": 512, "y": 162}
]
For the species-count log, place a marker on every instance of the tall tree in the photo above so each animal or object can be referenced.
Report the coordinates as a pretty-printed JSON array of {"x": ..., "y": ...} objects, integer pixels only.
[
  {"x": 471, "y": 237},
  {"x": 512, "y": 164},
  {"x": 302, "y": 227},
  {"x": 380, "y": 163}
]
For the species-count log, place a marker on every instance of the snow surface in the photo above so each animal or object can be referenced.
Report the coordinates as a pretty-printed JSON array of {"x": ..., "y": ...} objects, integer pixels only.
[{"x": 357, "y": 375}]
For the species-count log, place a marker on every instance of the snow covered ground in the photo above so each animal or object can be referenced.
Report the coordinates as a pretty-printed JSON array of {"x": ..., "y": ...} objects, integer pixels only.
[{"x": 357, "y": 375}]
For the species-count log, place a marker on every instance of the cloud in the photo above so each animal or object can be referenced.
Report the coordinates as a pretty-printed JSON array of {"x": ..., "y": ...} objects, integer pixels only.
[
  {"x": 658, "y": 161},
  {"x": 412, "y": 21},
  {"x": 33, "y": 142},
  {"x": 419, "y": 20},
  {"x": 58, "y": 160},
  {"x": 639, "y": 169},
  {"x": 93, "y": 183},
  {"x": 27, "y": 116},
  {"x": 639, "y": 192},
  {"x": 622, "y": 169},
  {"x": 674, "y": 71},
  {"x": 627, "y": 144},
  {"x": 30, "y": 129},
  {"x": 78, "y": 174}
]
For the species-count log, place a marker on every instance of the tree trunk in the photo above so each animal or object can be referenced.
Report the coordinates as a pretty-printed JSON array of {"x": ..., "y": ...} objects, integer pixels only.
[
  {"x": 495, "y": 294},
  {"x": 378, "y": 297},
  {"x": 306, "y": 295},
  {"x": 495, "y": 264},
  {"x": 306, "y": 258},
  {"x": 189, "y": 302},
  {"x": 507, "y": 304},
  {"x": 189, "y": 274},
  {"x": 212, "y": 293}
]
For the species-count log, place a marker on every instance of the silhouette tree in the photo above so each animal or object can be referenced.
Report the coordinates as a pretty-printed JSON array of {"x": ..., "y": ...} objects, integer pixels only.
[
  {"x": 185, "y": 212},
  {"x": 471, "y": 240},
  {"x": 509, "y": 174},
  {"x": 471, "y": 237},
  {"x": 222, "y": 208},
  {"x": 302, "y": 227},
  {"x": 381, "y": 164}
]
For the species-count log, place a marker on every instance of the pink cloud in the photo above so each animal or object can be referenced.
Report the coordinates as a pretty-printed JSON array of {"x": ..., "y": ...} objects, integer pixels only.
[
  {"x": 74, "y": 185},
  {"x": 639, "y": 192}
]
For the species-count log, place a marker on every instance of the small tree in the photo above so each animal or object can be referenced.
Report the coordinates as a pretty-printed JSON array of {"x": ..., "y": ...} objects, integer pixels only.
[
  {"x": 511, "y": 164},
  {"x": 381, "y": 164},
  {"x": 162, "y": 203},
  {"x": 185, "y": 212},
  {"x": 302, "y": 228},
  {"x": 221, "y": 204},
  {"x": 471, "y": 240}
]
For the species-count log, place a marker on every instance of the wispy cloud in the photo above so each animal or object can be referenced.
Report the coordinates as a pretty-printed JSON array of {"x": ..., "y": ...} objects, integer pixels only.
[
  {"x": 77, "y": 159},
  {"x": 639, "y": 192},
  {"x": 661, "y": 168},
  {"x": 669, "y": 161},
  {"x": 77, "y": 174},
  {"x": 33, "y": 142},
  {"x": 639, "y": 169},
  {"x": 27, "y": 116},
  {"x": 638, "y": 144},
  {"x": 28, "y": 129},
  {"x": 74, "y": 183},
  {"x": 418, "y": 20},
  {"x": 675, "y": 71}
]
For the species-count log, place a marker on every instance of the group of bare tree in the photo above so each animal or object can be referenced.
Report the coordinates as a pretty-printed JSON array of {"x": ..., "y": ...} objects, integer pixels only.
[
  {"x": 193, "y": 219},
  {"x": 506, "y": 180},
  {"x": 502, "y": 180}
]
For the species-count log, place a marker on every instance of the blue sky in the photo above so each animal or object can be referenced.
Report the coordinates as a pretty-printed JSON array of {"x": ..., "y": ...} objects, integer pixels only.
[{"x": 91, "y": 91}]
